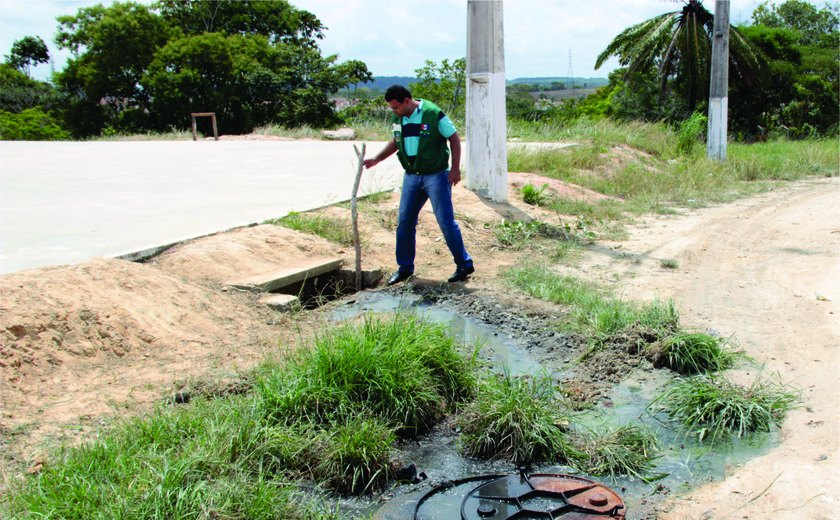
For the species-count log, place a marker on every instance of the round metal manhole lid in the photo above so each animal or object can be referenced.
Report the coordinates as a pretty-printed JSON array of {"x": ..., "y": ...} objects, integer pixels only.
[{"x": 535, "y": 496}]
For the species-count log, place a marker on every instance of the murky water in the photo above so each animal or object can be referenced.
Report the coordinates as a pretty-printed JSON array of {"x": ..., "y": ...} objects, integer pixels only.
[{"x": 684, "y": 462}]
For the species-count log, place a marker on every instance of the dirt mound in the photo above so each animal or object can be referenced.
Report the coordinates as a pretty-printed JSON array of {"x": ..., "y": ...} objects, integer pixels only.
[
  {"x": 245, "y": 252},
  {"x": 77, "y": 339}
]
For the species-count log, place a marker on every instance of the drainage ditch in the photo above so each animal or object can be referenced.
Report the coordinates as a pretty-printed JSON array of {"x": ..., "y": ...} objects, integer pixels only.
[{"x": 523, "y": 345}]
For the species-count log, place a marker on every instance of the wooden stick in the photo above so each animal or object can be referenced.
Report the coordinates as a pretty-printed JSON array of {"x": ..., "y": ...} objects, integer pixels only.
[{"x": 354, "y": 215}]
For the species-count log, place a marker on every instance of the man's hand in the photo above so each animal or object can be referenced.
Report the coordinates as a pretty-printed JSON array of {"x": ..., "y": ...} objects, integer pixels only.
[
  {"x": 388, "y": 151},
  {"x": 455, "y": 175}
]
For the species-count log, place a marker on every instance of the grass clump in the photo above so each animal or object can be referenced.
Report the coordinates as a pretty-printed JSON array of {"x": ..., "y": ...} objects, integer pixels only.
[
  {"x": 535, "y": 196},
  {"x": 669, "y": 263},
  {"x": 336, "y": 230},
  {"x": 403, "y": 370},
  {"x": 520, "y": 419},
  {"x": 356, "y": 455},
  {"x": 593, "y": 313},
  {"x": 626, "y": 450},
  {"x": 692, "y": 353},
  {"x": 714, "y": 408}
]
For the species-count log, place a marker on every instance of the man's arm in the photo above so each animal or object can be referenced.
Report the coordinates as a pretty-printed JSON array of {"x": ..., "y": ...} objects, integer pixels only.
[
  {"x": 383, "y": 154},
  {"x": 455, "y": 148}
]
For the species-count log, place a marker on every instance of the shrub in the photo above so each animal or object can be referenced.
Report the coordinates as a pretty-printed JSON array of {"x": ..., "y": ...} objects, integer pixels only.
[
  {"x": 30, "y": 125},
  {"x": 689, "y": 133}
]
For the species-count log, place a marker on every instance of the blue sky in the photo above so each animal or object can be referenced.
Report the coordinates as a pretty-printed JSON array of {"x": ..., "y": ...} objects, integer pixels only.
[{"x": 540, "y": 35}]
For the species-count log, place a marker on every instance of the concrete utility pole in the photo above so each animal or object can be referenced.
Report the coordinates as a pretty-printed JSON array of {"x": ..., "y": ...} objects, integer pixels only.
[
  {"x": 719, "y": 84},
  {"x": 486, "y": 122}
]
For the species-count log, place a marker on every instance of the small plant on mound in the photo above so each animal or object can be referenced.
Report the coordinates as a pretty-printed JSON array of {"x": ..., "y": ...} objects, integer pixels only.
[
  {"x": 520, "y": 419},
  {"x": 627, "y": 450},
  {"x": 534, "y": 196},
  {"x": 692, "y": 353},
  {"x": 714, "y": 407}
]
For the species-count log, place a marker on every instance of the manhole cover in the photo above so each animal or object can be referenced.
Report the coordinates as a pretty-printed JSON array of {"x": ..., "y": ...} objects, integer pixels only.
[{"x": 535, "y": 496}]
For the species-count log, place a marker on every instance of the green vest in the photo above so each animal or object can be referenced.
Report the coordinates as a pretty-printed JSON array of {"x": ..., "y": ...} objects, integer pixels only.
[{"x": 432, "y": 151}]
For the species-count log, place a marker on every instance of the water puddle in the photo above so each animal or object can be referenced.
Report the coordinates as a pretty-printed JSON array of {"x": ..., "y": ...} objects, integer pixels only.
[{"x": 684, "y": 463}]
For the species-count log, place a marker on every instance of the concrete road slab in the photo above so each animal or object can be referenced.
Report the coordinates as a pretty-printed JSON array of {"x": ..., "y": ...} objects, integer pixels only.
[{"x": 67, "y": 202}]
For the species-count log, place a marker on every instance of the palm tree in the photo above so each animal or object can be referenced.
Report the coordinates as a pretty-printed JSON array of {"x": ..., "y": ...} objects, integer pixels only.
[{"x": 679, "y": 45}]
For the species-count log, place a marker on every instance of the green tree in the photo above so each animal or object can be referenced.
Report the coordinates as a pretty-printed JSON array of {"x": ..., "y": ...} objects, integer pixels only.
[
  {"x": 252, "y": 62},
  {"x": 28, "y": 51},
  {"x": 444, "y": 84},
  {"x": 817, "y": 27},
  {"x": 798, "y": 91},
  {"x": 112, "y": 48},
  {"x": 678, "y": 46},
  {"x": 277, "y": 20},
  {"x": 354, "y": 72},
  {"x": 245, "y": 80},
  {"x": 19, "y": 92}
]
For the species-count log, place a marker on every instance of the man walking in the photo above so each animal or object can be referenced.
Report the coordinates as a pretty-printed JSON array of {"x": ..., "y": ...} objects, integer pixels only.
[{"x": 420, "y": 134}]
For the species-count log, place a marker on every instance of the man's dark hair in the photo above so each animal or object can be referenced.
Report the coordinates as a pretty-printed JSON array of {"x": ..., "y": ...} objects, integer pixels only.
[{"x": 398, "y": 92}]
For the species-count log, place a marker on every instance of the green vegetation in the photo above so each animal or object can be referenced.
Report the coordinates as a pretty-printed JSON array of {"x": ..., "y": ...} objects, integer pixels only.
[
  {"x": 692, "y": 353},
  {"x": 403, "y": 370},
  {"x": 658, "y": 179},
  {"x": 338, "y": 231},
  {"x": 592, "y": 313},
  {"x": 520, "y": 419},
  {"x": 669, "y": 263},
  {"x": 182, "y": 462},
  {"x": 516, "y": 234},
  {"x": 714, "y": 408},
  {"x": 534, "y": 196},
  {"x": 626, "y": 450},
  {"x": 31, "y": 124},
  {"x": 689, "y": 133},
  {"x": 329, "y": 415}
]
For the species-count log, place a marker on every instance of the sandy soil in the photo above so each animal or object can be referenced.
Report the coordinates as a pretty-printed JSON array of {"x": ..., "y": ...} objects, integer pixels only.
[{"x": 80, "y": 344}]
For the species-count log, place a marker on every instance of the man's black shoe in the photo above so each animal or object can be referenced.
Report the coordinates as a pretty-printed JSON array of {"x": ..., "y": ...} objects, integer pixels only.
[
  {"x": 461, "y": 274},
  {"x": 398, "y": 277}
]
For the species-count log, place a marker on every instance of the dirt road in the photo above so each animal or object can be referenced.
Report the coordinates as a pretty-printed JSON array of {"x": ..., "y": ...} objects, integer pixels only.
[
  {"x": 109, "y": 336},
  {"x": 767, "y": 271}
]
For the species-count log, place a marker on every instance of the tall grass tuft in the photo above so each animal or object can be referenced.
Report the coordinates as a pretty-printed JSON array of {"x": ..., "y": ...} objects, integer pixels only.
[
  {"x": 336, "y": 230},
  {"x": 520, "y": 419},
  {"x": 404, "y": 370},
  {"x": 692, "y": 353},
  {"x": 689, "y": 133},
  {"x": 357, "y": 455},
  {"x": 714, "y": 408},
  {"x": 626, "y": 450}
]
